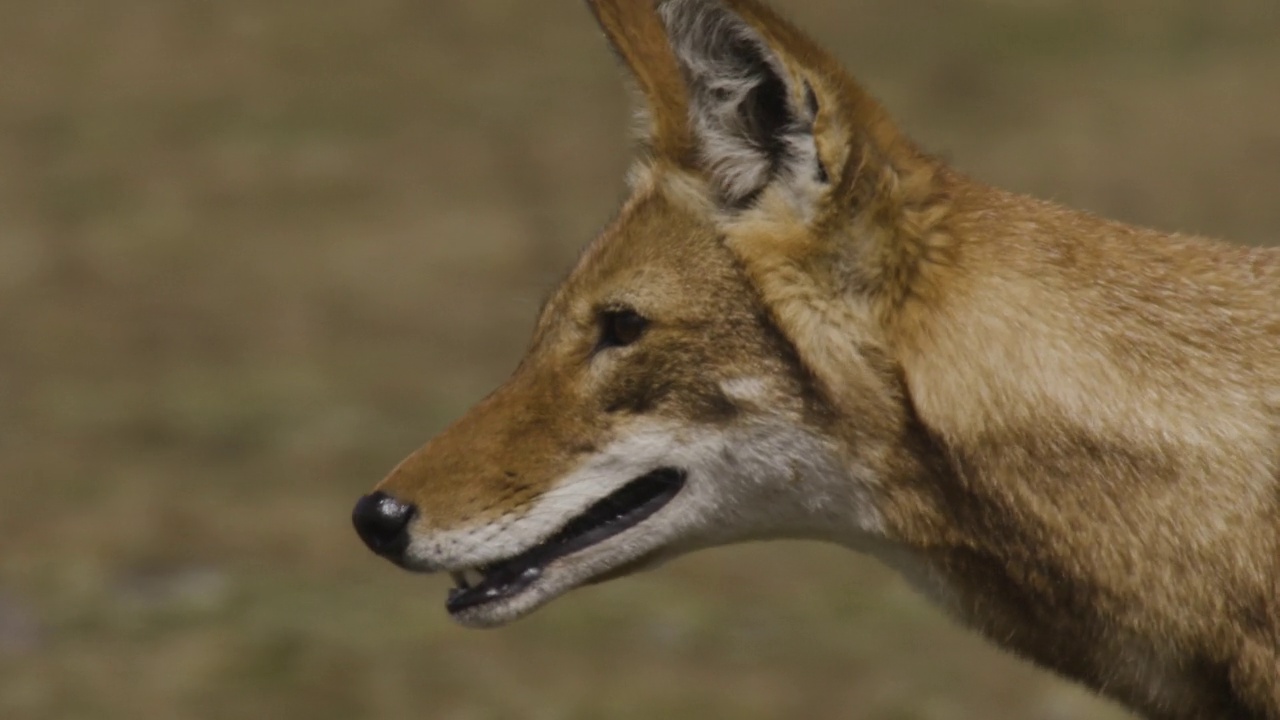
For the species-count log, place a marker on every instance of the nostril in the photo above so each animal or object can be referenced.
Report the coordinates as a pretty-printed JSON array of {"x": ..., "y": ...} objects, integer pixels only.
[{"x": 382, "y": 522}]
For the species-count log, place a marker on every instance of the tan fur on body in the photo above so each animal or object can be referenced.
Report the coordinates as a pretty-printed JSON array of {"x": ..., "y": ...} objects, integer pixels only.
[{"x": 1070, "y": 426}]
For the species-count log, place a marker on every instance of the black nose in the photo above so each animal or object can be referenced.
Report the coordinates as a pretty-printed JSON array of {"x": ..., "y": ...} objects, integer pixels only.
[{"x": 382, "y": 523}]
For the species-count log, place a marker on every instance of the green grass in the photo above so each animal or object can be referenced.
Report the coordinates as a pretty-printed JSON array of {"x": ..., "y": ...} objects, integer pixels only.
[{"x": 254, "y": 252}]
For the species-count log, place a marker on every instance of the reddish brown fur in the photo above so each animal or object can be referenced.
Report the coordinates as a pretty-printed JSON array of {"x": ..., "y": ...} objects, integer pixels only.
[
  {"x": 1106, "y": 401},
  {"x": 1075, "y": 423},
  {"x": 518, "y": 442},
  {"x": 638, "y": 37}
]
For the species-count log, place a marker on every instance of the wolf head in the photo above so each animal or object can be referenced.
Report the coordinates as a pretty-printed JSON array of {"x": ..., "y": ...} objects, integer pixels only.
[{"x": 716, "y": 367}]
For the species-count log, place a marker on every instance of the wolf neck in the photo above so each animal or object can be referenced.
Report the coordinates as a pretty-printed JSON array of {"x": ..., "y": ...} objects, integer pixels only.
[
  {"x": 1064, "y": 465},
  {"x": 1007, "y": 561}
]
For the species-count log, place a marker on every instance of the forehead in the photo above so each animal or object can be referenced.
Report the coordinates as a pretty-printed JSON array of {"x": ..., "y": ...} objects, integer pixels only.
[{"x": 657, "y": 251}]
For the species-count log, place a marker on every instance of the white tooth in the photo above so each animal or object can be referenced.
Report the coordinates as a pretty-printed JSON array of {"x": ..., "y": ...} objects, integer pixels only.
[{"x": 479, "y": 576}]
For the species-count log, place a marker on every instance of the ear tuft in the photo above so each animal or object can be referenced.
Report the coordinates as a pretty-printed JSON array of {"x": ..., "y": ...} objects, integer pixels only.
[{"x": 750, "y": 128}]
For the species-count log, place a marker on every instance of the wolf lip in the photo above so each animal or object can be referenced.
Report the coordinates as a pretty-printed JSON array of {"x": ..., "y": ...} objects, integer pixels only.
[{"x": 619, "y": 511}]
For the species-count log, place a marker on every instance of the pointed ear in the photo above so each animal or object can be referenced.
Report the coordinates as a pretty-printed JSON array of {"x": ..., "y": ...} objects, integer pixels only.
[
  {"x": 640, "y": 39},
  {"x": 752, "y": 109}
]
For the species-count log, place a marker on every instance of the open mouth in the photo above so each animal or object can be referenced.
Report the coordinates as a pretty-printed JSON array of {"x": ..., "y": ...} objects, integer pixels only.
[{"x": 615, "y": 513}]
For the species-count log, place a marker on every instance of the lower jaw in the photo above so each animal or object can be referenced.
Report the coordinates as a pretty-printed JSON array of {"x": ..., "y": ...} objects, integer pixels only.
[
  {"x": 488, "y": 604},
  {"x": 505, "y": 610},
  {"x": 628, "y": 568},
  {"x": 508, "y": 609}
]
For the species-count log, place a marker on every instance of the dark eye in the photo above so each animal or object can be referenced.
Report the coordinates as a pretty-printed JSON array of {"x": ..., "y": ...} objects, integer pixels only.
[{"x": 621, "y": 327}]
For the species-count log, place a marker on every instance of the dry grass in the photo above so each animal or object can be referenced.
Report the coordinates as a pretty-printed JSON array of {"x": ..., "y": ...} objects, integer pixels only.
[{"x": 254, "y": 251}]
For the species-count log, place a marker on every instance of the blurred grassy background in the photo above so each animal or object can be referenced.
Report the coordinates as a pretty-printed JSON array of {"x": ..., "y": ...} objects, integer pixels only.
[{"x": 252, "y": 252}]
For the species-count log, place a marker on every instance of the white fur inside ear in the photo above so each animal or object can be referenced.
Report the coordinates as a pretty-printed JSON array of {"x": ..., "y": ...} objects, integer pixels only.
[{"x": 728, "y": 67}]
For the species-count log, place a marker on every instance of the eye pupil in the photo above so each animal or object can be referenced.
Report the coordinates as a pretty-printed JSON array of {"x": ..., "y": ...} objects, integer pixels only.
[{"x": 622, "y": 328}]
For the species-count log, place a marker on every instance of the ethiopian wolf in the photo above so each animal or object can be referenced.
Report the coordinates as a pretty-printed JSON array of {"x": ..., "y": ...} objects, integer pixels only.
[{"x": 1065, "y": 430}]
